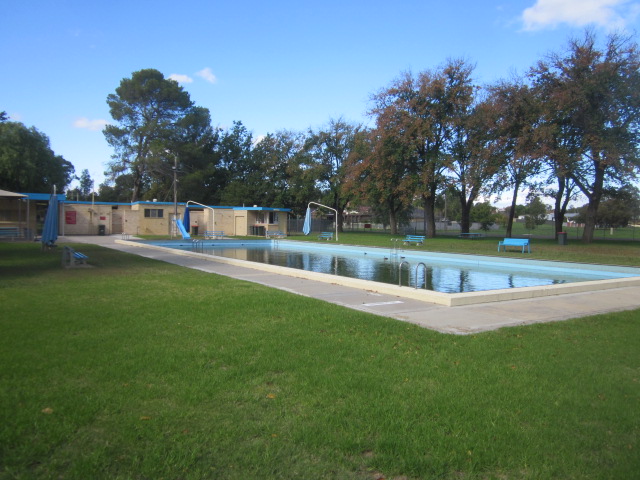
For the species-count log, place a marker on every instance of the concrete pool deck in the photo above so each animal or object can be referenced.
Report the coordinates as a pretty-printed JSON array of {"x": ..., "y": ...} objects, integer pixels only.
[{"x": 465, "y": 319}]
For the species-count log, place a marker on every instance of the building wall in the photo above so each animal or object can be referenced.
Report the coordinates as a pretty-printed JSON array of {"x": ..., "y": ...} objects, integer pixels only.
[
  {"x": 224, "y": 221},
  {"x": 141, "y": 218},
  {"x": 157, "y": 223},
  {"x": 85, "y": 219}
]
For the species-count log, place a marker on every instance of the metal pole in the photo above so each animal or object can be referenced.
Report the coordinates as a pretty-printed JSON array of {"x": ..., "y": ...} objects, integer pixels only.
[
  {"x": 213, "y": 213},
  {"x": 175, "y": 192},
  {"x": 320, "y": 205}
]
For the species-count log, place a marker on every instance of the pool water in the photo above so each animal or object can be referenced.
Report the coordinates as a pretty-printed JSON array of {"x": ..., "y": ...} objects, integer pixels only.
[{"x": 447, "y": 273}]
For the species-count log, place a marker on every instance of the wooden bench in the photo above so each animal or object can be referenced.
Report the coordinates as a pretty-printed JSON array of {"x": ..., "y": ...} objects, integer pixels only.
[
  {"x": 470, "y": 235},
  {"x": 71, "y": 258},
  {"x": 515, "y": 242},
  {"x": 277, "y": 234},
  {"x": 417, "y": 239},
  {"x": 213, "y": 234},
  {"x": 325, "y": 236}
]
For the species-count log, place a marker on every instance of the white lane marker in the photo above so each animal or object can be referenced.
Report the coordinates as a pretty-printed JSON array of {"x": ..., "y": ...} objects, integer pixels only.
[{"x": 381, "y": 303}]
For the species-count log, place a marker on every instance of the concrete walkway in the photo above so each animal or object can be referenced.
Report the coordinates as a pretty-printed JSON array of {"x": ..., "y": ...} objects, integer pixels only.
[{"x": 457, "y": 320}]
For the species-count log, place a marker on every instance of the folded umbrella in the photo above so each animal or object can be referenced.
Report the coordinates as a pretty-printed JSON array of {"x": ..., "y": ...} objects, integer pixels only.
[
  {"x": 50, "y": 229},
  {"x": 306, "y": 228}
]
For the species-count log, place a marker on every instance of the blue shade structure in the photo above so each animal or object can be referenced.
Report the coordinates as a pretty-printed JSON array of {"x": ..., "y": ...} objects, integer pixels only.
[
  {"x": 50, "y": 230},
  {"x": 186, "y": 220},
  {"x": 306, "y": 228}
]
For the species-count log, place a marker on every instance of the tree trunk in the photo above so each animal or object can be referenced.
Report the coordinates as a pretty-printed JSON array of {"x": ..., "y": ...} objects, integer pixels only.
[
  {"x": 429, "y": 204},
  {"x": 561, "y": 203},
  {"x": 512, "y": 210},
  {"x": 393, "y": 223},
  {"x": 465, "y": 213},
  {"x": 340, "y": 219},
  {"x": 465, "y": 219},
  {"x": 137, "y": 184},
  {"x": 590, "y": 223},
  {"x": 594, "y": 201}
]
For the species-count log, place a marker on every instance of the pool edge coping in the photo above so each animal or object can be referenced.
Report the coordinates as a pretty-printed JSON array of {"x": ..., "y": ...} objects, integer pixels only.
[{"x": 439, "y": 298}]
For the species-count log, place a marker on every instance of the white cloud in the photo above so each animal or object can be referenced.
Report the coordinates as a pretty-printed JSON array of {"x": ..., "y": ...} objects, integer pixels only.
[
  {"x": 258, "y": 139},
  {"x": 93, "y": 125},
  {"x": 610, "y": 14},
  {"x": 207, "y": 74},
  {"x": 178, "y": 77}
]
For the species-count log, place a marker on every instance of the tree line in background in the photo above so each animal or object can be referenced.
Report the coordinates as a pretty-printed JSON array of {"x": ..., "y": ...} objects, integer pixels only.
[
  {"x": 569, "y": 127},
  {"x": 27, "y": 162}
]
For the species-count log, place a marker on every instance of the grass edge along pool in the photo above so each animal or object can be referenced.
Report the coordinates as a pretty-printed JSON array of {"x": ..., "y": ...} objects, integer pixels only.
[{"x": 628, "y": 276}]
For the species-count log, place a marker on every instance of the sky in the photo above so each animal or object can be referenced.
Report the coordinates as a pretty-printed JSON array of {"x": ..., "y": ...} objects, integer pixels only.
[{"x": 273, "y": 65}]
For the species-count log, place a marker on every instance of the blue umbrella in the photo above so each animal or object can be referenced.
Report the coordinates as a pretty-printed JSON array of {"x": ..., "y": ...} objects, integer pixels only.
[
  {"x": 50, "y": 230},
  {"x": 185, "y": 219},
  {"x": 306, "y": 228}
]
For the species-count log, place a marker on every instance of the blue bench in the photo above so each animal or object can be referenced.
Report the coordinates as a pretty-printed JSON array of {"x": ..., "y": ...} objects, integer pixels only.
[
  {"x": 417, "y": 239},
  {"x": 515, "y": 242},
  {"x": 277, "y": 234},
  {"x": 9, "y": 232},
  {"x": 71, "y": 258},
  {"x": 213, "y": 234},
  {"x": 325, "y": 236}
]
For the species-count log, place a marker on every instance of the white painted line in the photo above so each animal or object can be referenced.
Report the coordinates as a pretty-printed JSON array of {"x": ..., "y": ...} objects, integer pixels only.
[{"x": 381, "y": 303}]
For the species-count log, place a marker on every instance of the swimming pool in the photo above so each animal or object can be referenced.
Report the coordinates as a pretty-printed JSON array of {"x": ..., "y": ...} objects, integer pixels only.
[{"x": 446, "y": 274}]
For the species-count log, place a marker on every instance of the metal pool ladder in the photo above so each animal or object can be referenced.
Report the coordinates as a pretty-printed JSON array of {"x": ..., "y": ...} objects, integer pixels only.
[
  {"x": 400, "y": 273},
  {"x": 404, "y": 262},
  {"x": 197, "y": 245},
  {"x": 425, "y": 274},
  {"x": 393, "y": 251}
]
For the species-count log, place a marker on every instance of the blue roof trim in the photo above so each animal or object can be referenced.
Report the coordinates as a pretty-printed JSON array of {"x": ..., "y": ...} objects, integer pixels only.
[
  {"x": 62, "y": 198},
  {"x": 148, "y": 202},
  {"x": 263, "y": 209},
  {"x": 44, "y": 196},
  {"x": 86, "y": 202}
]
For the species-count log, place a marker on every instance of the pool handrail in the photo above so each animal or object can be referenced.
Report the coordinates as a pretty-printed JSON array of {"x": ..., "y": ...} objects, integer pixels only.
[
  {"x": 400, "y": 273},
  {"x": 336, "y": 222},
  {"x": 425, "y": 274}
]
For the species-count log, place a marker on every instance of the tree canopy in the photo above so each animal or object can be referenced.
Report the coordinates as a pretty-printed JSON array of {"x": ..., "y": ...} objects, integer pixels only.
[
  {"x": 155, "y": 118},
  {"x": 27, "y": 162},
  {"x": 570, "y": 126},
  {"x": 592, "y": 115}
]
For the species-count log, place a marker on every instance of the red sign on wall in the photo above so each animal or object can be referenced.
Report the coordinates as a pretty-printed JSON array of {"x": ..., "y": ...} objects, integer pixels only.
[{"x": 70, "y": 217}]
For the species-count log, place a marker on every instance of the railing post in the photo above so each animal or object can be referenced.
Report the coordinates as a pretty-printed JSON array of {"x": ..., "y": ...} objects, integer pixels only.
[
  {"x": 425, "y": 274},
  {"x": 400, "y": 273}
]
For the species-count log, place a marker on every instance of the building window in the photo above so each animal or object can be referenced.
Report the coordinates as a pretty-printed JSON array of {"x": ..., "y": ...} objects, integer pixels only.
[
  {"x": 273, "y": 218},
  {"x": 153, "y": 213}
]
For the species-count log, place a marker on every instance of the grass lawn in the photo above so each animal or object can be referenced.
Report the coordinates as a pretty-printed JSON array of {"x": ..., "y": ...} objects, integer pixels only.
[
  {"x": 604, "y": 252},
  {"x": 137, "y": 369}
]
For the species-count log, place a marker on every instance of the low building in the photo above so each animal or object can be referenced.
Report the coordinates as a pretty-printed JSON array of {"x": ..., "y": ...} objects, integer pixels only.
[{"x": 138, "y": 218}]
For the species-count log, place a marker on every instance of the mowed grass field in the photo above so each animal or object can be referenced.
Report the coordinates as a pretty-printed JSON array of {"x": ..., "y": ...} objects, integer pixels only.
[{"x": 137, "y": 369}]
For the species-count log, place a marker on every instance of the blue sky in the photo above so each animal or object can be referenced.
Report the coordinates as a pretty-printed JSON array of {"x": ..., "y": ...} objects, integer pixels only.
[{"x": 273, "y": 65}]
